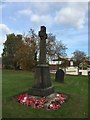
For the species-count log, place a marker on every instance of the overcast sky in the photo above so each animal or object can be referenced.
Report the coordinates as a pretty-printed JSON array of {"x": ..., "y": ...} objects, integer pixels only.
[{"x": 68, "y": 21}]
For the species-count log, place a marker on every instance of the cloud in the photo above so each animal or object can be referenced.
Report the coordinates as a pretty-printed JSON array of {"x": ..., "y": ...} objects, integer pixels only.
[
  {"x": 72, "y": 16},
  {"x": 36, "y": 16},
  {"x": 42, "y": 19},
  {"x": 2, "y": 41},
  {"x": 4, "y": 29},
  {"x": 41, "y": 8},
  {"x": 12, "y": 18},
  {"x": 1, "y": 50},
  {"x": 26, "y": 12}
]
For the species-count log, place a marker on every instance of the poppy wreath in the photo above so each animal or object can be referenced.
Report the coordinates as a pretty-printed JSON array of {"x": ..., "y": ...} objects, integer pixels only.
[
  {"x": 39, "y": 103},
  {"x": 57, "y": 103}
]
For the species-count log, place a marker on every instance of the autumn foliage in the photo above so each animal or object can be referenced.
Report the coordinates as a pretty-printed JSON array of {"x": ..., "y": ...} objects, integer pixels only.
[{"x": 22, "y": 51}]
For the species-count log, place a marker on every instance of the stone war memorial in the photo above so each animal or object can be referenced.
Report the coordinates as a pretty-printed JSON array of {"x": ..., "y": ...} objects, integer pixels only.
[
  {"x": 42, "y": 94},
  {"x": 42, "y": 85}
]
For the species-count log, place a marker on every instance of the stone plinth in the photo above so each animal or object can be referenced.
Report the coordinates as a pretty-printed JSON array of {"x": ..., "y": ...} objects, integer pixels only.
[
  {"x": 42, "y": 84},
  {"x": 42, "y": 92}
]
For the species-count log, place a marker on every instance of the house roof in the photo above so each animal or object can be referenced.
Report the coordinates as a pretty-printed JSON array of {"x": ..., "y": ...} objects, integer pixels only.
[{"x": 60, "y": 59}]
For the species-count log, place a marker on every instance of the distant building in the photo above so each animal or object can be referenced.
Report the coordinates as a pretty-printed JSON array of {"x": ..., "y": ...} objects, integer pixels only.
[
  {"x": 71, "y": 69},
  {"x": 55, "y": 63}
]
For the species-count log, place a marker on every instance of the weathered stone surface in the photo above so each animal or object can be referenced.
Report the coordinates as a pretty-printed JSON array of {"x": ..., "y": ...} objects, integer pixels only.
[
  {"x": 89, "y": 74},
  {"x": 59, "y": 76},
  {"x": 42, "y": 84},
  {"x": 42, "y": 92},
  {"x": 43, "y": 37},
  {"x": 42, "y": 76}
]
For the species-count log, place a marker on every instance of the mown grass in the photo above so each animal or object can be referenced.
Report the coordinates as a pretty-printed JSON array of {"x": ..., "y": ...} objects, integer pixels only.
[{"x": 17, "y": 82}]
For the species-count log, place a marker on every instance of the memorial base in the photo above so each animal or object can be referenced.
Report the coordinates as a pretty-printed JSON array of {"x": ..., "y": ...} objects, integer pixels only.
[
  {"x": 42, "y": 92},
  {"x": 42, "y": 85}
]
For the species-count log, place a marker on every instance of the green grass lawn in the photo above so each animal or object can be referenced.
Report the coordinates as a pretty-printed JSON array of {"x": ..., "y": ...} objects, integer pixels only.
[{"x": 17, "y": 82}]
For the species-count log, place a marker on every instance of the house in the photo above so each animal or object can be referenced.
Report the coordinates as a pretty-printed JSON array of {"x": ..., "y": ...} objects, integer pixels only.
[{"x": 70, "y": 68}]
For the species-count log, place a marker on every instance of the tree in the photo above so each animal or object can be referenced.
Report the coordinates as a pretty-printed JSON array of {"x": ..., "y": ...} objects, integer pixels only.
[
  {"x": 19, "y": 51},
  {"x": 55, "y": 49},
  {"x": 64, "y": 63},
  {"x": 50, "y": 46},
  {"x": 79, "y": 58},
  {"x": 11, "y": 45},
  {"x": 60, "y": 49},
  {"x": 23, "y": 50},
  {"x": 26, "y": 54}
]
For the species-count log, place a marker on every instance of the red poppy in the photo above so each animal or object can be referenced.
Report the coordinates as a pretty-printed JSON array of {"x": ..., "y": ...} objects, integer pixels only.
[
  {"x": 39, "y": 103},
  {"x": 27, "y": 101}
]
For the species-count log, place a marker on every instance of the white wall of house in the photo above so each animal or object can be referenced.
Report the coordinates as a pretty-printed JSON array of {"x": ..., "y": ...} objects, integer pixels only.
[
  {"x": 72, "y": 70},
  {"x": 54, "y": 62},
  {"x": 84, "y": 72}
]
